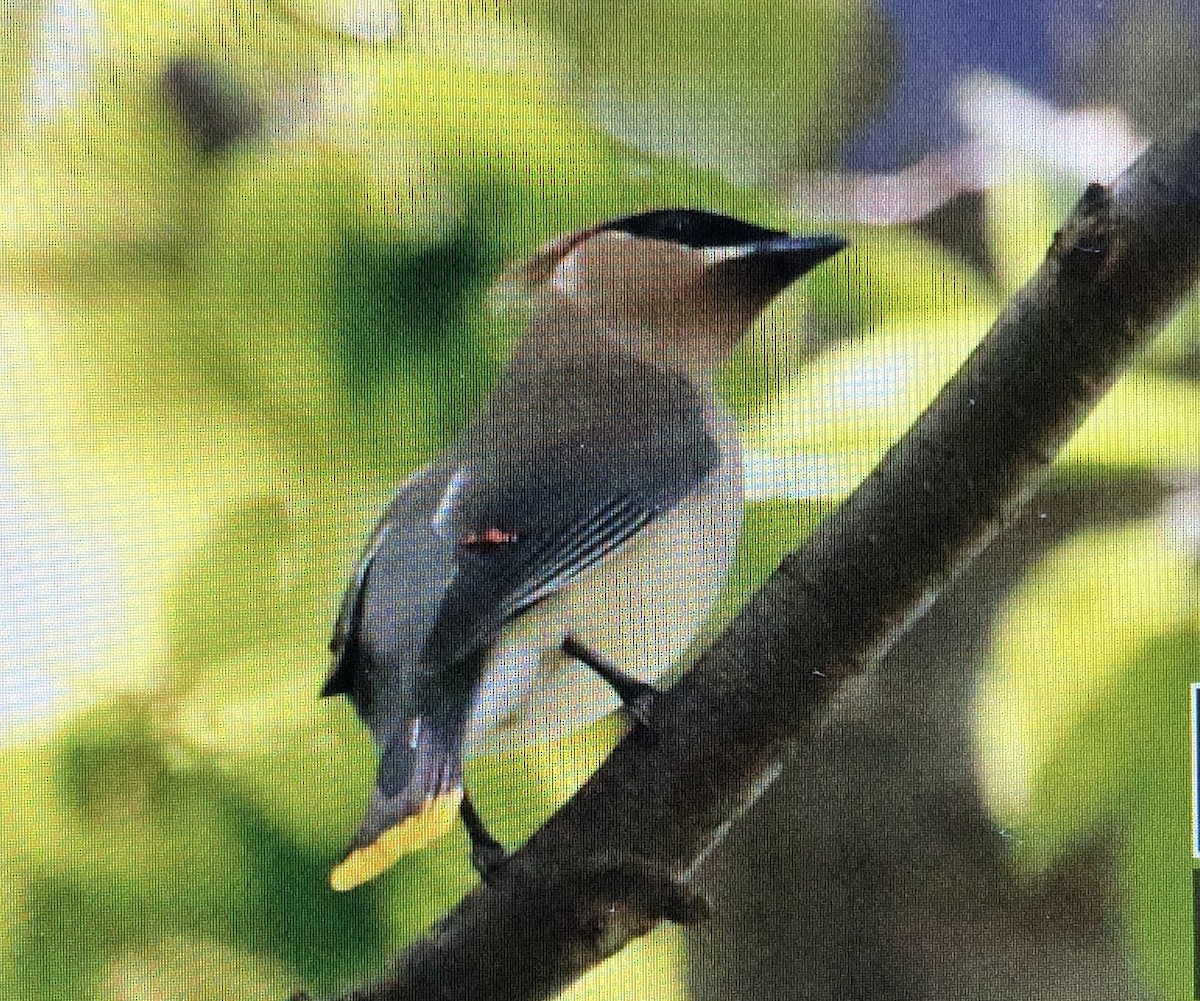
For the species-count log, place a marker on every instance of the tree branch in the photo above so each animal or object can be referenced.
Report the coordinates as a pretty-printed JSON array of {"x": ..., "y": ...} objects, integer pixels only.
[{"x": 613, "y": 861}]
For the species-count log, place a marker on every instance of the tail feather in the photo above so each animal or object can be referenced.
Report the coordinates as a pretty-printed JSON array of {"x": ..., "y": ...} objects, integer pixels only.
[{"x": 415, "y": 800}]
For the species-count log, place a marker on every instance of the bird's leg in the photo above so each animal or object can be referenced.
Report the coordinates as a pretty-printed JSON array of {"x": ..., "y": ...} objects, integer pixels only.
[
  {"x": 637, "y": 696},
  {"x": 487, "y": 854}
]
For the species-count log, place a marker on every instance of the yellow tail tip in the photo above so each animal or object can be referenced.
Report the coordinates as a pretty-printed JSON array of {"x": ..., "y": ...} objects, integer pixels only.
[{"x": 435, "y": 818}]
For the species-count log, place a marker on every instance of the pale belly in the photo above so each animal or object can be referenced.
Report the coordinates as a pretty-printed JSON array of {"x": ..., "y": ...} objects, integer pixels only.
[{"x": 639, "y": 609}]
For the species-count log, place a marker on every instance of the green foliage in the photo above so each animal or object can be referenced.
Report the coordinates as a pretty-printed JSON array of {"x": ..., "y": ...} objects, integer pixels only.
[
  {"x": 145, "y": 844},
  {"x": 250, "y": 262},
  {"x": 1099, "y": 741},
  {"x": 740, "y": 86},
  {"x": 223, "y": 355}
]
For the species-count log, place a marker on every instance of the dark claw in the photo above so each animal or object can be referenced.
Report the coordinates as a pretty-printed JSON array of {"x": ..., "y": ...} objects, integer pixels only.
[
  {"x": 487, "y": 854},
  {"x": 637, "y": 696}
]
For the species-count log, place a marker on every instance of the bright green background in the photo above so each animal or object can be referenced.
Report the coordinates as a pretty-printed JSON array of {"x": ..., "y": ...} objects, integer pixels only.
[{"x": 220, "y": 364}]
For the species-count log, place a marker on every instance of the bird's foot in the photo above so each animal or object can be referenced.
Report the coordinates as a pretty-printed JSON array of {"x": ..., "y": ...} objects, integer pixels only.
[
  {"x": 637, "y": 696},
  {"x": 488, "y": 856}
]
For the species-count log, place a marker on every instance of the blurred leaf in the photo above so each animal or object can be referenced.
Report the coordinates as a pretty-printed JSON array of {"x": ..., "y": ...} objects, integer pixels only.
[
  {"x": 1058, "y": 683},
  {"x": 1081, "y": 727},
  {"x": 649, "y": 967},
  {"x": 732, "y": 86},
  {"x": 192, "y": 967},
  {"x": 258, "y": 305},
  {"x": 101, "y": 188},
  {"x": 14, "y": 906},
  {"x": 484, "y": 34},
  {"x": 1145, "y": 420},
  {"x": 1177, "y": 346},
  {"x": 418, "y": 350},
  {"x": 894, "y": 275},
  {"x": 126, "y": 835},
  {"x": 1021, "y": 215},
  {"x": 18, "y": 22},
  {"x": 144, "y": 813},
  {"x": 772, "y": 528},
  {"x": 36, "y": 819},
  {"x": 115, "y": 493},
  {"x": 855, "y": 399},
  {"x": 461, "y": 119},
  {"x": 306, "y": 764},
  {"x": 241, "y": 588},
  {"x": 118, "y": 842}
]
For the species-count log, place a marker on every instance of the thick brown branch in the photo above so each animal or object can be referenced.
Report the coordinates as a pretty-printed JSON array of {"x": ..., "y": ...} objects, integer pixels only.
[{"x": 611, "y": 862}]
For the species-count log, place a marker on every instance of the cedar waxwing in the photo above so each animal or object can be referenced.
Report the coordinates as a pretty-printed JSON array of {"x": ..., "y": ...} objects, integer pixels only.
[{"x": 565, "y": 550}]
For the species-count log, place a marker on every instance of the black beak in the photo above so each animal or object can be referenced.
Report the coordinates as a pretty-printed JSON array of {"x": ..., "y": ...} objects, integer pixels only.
[
  {"x": 802, "y": 253},
  {"x": 769, "y": 266}
]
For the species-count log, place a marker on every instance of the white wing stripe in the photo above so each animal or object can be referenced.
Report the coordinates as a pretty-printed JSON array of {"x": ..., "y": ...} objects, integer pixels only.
[{"x": 445, "y": 506}]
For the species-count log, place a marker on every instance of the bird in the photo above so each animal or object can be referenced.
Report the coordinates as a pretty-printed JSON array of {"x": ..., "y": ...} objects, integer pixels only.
[{"x": 562, "y": 553}]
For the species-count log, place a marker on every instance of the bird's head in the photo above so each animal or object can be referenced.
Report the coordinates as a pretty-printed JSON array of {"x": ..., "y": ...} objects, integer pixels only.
[{"x": 674, "y": 285}]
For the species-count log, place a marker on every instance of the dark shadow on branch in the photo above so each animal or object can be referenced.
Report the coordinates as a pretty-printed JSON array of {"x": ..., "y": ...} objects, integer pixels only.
[{"x": 614, "y": 860}]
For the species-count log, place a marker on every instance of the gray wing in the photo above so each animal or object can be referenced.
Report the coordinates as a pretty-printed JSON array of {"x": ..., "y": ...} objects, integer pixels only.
[
  {"x": 566, "y": 464},
  {"x": 401, "y": 557},
  {"x": 344, "y": 644}
]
